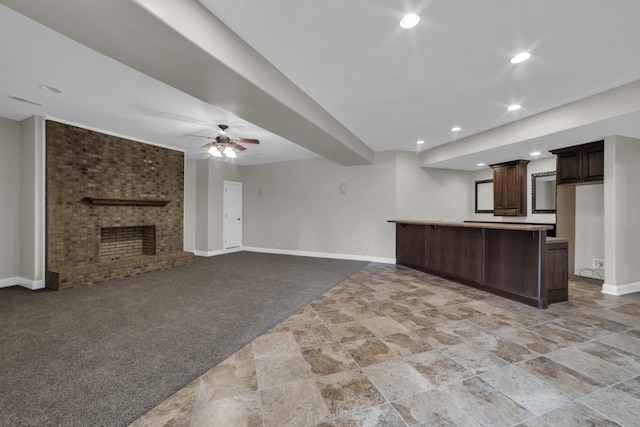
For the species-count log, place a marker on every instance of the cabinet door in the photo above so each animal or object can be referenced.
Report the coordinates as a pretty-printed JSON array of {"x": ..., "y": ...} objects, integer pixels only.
[
  {"x": 499, "y": 196},
  {"x": 593, "y": 164},
  {"x": 568, "y": 168},
  {"x": 511, "y": 189}
]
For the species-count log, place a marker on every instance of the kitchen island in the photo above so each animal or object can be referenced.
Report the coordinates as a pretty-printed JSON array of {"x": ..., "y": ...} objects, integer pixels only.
[{"x": 511, "y": 260}]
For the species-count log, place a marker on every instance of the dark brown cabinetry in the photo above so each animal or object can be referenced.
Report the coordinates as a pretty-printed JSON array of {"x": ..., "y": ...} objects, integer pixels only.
[
  {"x": 580, "y": 164},
  {"x": 557, "y": 270},
  {"x": 510, "y": 188},
  {"x": 512, "y": 260}
]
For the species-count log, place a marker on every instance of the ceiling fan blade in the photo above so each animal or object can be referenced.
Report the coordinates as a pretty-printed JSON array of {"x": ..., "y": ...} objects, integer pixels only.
[
  {"x": 237, "y": 146},
  {"x": 200, "y": 136},
  {"x": 207, "y": 146},
  {"x": 247, "y": 140}
]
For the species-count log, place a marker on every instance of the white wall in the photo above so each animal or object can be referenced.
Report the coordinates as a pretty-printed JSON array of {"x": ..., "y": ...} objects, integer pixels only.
[
  {"x": 9, "y": 201},
  {"x": 301, "y": 208},
  {"x": 589, "y": 241},
  {"x": 22, "y": 203},
  {"x": 430, "y": 194},
  {"x": 622, "y": 204},
  {"x": 204, "y": 203}
]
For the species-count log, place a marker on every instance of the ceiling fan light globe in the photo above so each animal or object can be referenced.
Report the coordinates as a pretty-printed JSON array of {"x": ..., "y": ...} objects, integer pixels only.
[
  {"x": 228, "y": 151},
  {"x": 215, "y": 152}
]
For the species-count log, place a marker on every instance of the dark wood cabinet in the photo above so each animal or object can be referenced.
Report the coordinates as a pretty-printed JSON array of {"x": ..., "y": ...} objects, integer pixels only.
[
  {"x": 510, "y": 188},
  {"x": 410, "y": 245},
  {"x": 580, "y": 164},
  {"x": 557, "y": 270},
  {"x": 516, "y": 261}
]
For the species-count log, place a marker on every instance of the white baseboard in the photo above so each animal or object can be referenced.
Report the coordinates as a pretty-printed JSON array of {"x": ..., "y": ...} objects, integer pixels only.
[
  {"x": 625, "y": 288},
  {"x": 353, "y": 257},
  {"x": 21, "y": 281},
  {"x": 218, "y": 252}
]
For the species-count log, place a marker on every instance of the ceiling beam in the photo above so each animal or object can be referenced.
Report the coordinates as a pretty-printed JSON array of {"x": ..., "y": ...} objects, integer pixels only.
[
  {"x": 181, "y": 44},
  {"x": 610, "y": 104}
]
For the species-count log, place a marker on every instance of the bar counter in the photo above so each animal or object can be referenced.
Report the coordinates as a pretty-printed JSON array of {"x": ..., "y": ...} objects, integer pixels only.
[{"x": 512, "y": 260}]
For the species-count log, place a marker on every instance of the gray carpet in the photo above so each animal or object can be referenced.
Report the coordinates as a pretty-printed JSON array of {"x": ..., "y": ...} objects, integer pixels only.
[{"x": 103, "y": 355}]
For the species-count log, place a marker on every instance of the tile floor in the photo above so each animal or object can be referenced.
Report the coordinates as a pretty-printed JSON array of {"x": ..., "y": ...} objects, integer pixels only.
[{"x": 390, "y": 346}]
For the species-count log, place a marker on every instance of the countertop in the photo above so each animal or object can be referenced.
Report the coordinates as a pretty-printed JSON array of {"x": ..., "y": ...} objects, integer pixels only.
[{"x": 487, "y": 225}]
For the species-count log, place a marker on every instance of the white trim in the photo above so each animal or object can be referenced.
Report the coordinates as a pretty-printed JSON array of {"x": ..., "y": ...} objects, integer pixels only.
[
  {"x": 216, "y": 253},
  {"x": 108, "y": 132},
  {"x": 626, "y": 288},
  {"x": 21, "y": 281},
  {"x": 320, "y": 254}
]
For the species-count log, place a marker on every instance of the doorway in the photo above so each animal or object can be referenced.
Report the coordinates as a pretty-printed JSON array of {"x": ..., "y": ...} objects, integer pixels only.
[{"x": 232, "y": 212}]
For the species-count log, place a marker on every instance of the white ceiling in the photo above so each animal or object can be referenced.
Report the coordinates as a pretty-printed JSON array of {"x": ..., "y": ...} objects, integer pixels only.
[{"x": 389, "y": 87}]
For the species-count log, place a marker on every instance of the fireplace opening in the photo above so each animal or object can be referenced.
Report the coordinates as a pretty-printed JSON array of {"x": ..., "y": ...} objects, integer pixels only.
[{"x": 124, "y": 242}]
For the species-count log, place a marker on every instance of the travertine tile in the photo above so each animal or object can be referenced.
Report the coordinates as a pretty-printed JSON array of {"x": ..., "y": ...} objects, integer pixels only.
[
  {"x": 346, "y": 332},
  {"x": 576, "y": 414},
  {"x": 625, "y": 341},
  {"x": 475, "y": 359},
  {"x": 561, "y": 377},
  {"x": 369, "y": 351},
  {"x": 613, "y": 355},
  {"x": 529, "y": 391},
  {"x": 376, "y": 416},
  {"x": 532, "y": 341},
  {"x": 374, "y": 352},
  {"x": 396, "y": 379},
  {"x": 432, "y": 408},
  {"x": 406, "y": 343},
  {"x": 294, "y": 404},
  {"x": 329, "y": 360},
  {"x": 348, "y": 392},
  {"x": 590, "y": 365},
  {"x": 614, "y": 403},
  {"x": 313, "y": 336},
  {"x": 275, "y": 344},
  {"x": 437, "y": 368},
  {"x": 242, "y": 410},
  {"x": 274, "y": 371},
  {"x": 484, "y": 403}
]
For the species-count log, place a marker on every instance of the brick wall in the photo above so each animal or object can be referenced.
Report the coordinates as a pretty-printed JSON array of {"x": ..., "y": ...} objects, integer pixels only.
[{"x": 81, "y": 163}]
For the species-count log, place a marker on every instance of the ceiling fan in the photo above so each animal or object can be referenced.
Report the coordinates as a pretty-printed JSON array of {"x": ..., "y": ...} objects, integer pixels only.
[{"x": 223, "y": 146}]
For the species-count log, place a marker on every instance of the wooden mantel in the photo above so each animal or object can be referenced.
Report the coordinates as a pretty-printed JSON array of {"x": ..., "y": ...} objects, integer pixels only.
[{"x": 127, "y": 202}]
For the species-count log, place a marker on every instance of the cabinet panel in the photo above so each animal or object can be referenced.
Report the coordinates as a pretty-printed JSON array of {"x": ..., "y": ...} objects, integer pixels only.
[
  {"x": 593, "y": 164},
  {"x": 410, "y": 241},
  {"x": 580, "y": 163},
  {"x": 456, "y": 252},
  {"x": 569, "y": 167},
  {"x": 510, "y": 188},
  {"x": 557, "y": 272}
]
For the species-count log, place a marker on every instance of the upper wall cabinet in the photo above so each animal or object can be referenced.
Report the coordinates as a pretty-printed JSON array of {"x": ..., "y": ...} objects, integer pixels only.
[
  {"x": 510, "y": 188},
  {"x": 580, "y": 164}
]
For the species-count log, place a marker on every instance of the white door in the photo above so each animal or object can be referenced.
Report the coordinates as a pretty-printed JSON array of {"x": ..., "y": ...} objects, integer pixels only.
[{"x": 232, "y": 214}]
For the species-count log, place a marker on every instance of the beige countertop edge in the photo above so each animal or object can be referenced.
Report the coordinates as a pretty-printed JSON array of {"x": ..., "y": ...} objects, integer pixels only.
[{"x": 488, "y": 225}]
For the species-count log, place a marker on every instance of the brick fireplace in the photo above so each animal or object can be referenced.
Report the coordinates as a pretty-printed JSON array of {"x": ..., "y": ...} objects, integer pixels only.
[
  {"x": 114, "y": 207},
  {"x": 123, "y": 242}
]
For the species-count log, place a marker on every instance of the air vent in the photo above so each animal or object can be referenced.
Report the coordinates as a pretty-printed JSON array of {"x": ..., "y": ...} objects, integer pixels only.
[{"x": 28, "y": 101}]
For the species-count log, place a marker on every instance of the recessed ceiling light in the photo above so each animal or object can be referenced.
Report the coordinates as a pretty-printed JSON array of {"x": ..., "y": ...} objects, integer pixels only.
[
  {"x": 28, "y": 101},
  {"x": 50, "y": 89},
  {"x": 514, "y": 107},
  {"x": 536, "y": 153},
  {"x": 456, "y": 129},
  {"x": 409, "y": 20},
  {"x": 521, "y": 57},
  {"x": 482, "y": 164},
  {"x": 420, "y": 142}
]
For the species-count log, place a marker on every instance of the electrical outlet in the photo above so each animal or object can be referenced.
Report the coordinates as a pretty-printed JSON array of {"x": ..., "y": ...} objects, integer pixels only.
[{"x": 598, "y": 264}]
